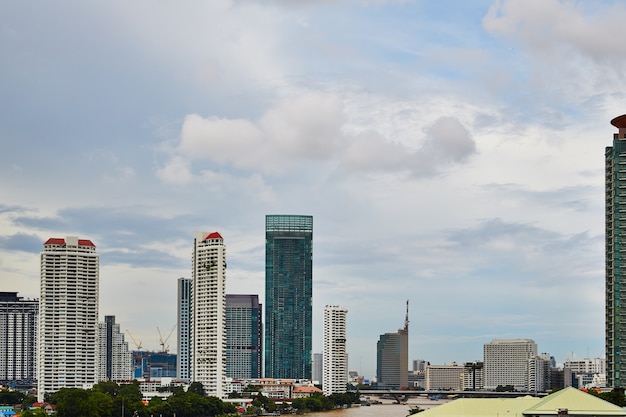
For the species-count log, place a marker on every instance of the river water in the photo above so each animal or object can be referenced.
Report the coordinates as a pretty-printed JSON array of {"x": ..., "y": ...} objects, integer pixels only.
[{"x": 378, "y": 410}]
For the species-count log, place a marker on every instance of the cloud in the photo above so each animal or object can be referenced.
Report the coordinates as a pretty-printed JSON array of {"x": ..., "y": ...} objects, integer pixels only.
[
  {"x": 310, "y": 127},
  {"x": 21, "y": 242},
  {"x": 557, "y": 26}
]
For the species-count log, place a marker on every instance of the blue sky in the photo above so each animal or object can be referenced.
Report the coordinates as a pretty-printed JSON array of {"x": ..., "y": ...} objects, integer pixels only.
[{"x": 450, "y": 152}]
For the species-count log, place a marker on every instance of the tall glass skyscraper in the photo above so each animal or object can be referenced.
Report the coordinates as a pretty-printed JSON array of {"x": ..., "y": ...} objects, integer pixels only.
[
  {"x": 615, "y": 257},
  {"x": 288, "y": 296}
]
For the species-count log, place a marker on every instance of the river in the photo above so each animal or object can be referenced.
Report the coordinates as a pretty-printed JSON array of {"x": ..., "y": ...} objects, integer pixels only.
[{"x": 378, "y": 410}]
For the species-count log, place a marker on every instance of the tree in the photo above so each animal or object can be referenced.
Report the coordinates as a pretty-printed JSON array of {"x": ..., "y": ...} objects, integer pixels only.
[
  {"x": 615, "y": 396},
  {"x": 37, "y": 412},
  {"x": 73, "y": 402},
  {"x": 11, "y": 397},
  {"x": 197, "y": 387}
]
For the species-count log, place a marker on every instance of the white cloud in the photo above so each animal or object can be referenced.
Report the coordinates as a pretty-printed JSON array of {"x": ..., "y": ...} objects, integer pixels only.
[{"x": 561, "y": 26}]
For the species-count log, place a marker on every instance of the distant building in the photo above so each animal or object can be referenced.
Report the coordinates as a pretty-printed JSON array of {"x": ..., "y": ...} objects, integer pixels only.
[
  {"x": 317, "y": 368},
  {"x": 615, "y": 257},
  {"x": 539, "y": 373},
  {"x": 184, "y": 329},
  {"x": 115, "y": 360},
  {"x": 154, "y": 365},
  {"x": 392, "y": 358},
  {"x": 506, "y": 363},
  {"x": 208, "y": 311},
  {"x": 18, "y": 340},
  {"x": 288, "y": 296},
  {"x": 585, "y": 373},
  {"x": 586, "y": 365},
  {"x": 419, "y": 365},
  {"x": 473, "y": 376},
  {"x": 68, "y": 315},
  {"x": 444, "y": 377},
  {"x": 244, "y": 335},
  {"x": 335, "y": 368}
]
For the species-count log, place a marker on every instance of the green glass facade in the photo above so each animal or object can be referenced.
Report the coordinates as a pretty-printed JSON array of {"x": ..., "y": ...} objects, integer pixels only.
[
  {"x": 288, "y": 296},
  {"x": 615, "y": 214}
]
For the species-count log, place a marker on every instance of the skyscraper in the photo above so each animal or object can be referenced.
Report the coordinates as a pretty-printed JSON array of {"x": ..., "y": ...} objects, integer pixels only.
[
  {"x": 184, "y": 328},
  {"x": 116, "y": 361},
  {"x": 615, "y": 258},
  {"x": 244, "y": 336},
  {"x": 18, "y": 340},
  {"x": 68, "y": 315},
  {"x": 335, "y": 366},
  {"x": 288, "y": 296},
  {"x": 392, "y": 357},
  {"x": 208, "y": 312},
  {"x": 506, "y": 362}
]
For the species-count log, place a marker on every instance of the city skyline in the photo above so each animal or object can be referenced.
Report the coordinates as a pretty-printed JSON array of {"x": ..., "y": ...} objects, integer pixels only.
[{"x": 450, "y": 153}]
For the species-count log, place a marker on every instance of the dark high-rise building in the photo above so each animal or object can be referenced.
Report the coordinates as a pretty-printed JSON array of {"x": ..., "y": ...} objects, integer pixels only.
[
  {"x": 392, "y": 357},
  {"x": 18, "y": 340},
  {"x": 244, "y": 334},
  {"x": 615, "y": 257},
  {"x": 288, "y": 296},
  {"x": 184, "y": 329}
]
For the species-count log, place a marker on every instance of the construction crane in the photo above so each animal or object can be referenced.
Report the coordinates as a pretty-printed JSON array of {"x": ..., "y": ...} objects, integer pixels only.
[
  {"x": 137, "y": 345},
  {"x": 163, "y": 342}
]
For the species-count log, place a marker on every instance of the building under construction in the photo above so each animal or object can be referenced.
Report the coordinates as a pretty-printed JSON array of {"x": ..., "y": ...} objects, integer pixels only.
[{"x": 150, "y": 365}]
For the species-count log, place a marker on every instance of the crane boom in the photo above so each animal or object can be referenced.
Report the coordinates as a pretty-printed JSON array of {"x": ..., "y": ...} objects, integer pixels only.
[{"x": 137, "y": 345}]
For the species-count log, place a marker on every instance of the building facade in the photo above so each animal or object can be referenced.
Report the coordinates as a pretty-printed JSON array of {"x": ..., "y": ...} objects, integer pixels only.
[
  {"x": 615, "y": 257},
  {"x": 506, "y": 363},
  {"x": 68, "y": 315},
  {"x": 444, "y": 377},
  {"x": 115, "y": 359},
  {"x": 18, "y": 340},
  {"x": 317, "y": 368},
  {"x": 184, "y": 329},
  {"x": 539, "y": 373},
  {"x": 288, "y": 296},
  {"x": 392, "y": 358},
  {"x": 473, "y": 376},
  {"x": 208, "y": 313},
  {"x": 335, "y": 362},
  {"x": 244, "y": 336}
]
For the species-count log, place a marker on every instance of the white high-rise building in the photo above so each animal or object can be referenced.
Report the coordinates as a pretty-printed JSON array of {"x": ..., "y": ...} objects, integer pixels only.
[
  {"x": 208, "y": 313},
  {"x": 68, "y": 315},
  {"x": 506, "y": 363},
  {"x": 184, "y": 329},
  {"x": 335, "y": 357},
  {"x": 115, "y": 361}
]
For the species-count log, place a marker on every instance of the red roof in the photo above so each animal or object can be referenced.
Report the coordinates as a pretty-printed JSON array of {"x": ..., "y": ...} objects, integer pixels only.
[
  {"x": 619, "y": 122},
  {"x": 214, "y": 235},
  {"x": 61, "y": 241}
]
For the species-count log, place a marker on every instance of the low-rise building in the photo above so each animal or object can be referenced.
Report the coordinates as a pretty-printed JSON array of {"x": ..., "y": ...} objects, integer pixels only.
[{"x": 444, "y": 377}]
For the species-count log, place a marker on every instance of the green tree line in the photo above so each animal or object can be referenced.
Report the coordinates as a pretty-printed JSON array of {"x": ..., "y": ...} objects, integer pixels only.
[{"x": 108, "y": 399}]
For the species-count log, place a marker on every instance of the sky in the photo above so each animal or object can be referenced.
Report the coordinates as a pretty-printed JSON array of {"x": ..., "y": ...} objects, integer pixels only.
[{"x": 450, "y": 153}]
